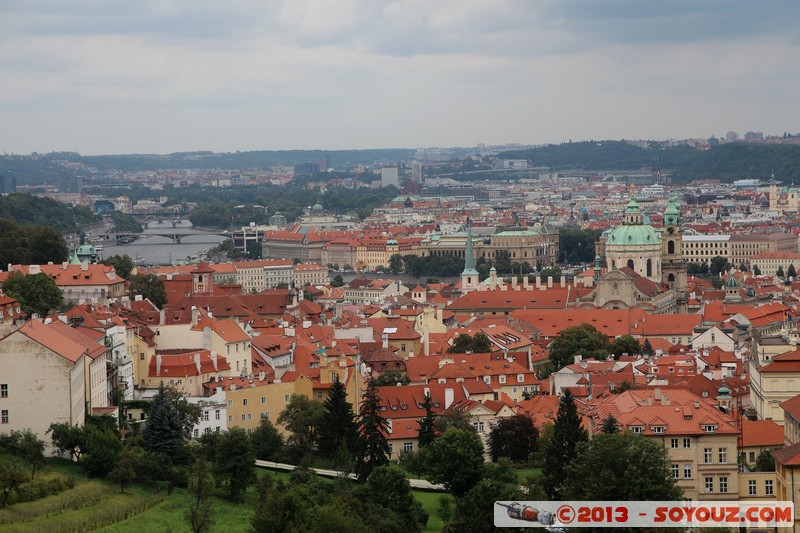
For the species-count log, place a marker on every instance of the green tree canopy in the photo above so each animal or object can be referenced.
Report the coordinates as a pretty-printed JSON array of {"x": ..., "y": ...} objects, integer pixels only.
[
  {"x": 388, "y": 487},
  {"x": 391, "y": 378},
  {"x": 302, "y": 417},
  {"x": 150, "y": 286},
  {"x": 584, "y": 340},
  {"x": 164, "y": 431},
  {"x": 123, "y": 265},
  {"x": 623, "y": 466},
  {"x": 426, "y": 425},
  {"x": 36, "y": 293},
  {"x": 234, "y": 463},
  {"x": 456, "y": 460},
  {"x": 267, "y": 441},
  {"x": 625, "y": 344}
]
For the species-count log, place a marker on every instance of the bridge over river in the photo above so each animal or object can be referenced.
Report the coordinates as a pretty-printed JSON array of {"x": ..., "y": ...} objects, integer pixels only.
[{"x": 174, "y": 230}]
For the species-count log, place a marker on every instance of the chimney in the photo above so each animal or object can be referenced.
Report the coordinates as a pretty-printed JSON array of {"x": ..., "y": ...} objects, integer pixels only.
[
  {"x": 549, "y": 282},
  {"x": 195, "y": 315},
  {"x": 514, "y": 283},
  {"x": 158, "y": 364},
  {"x": 427, "y": 391},
  {"x": 449, "y": 398},
  {"x": 261, "y": 375},
  {"x": 206, "y": 338},
  {"x": 138, "y": 298},
  {"x": 214, "y": 360},
  {"x": 577, "y": 359},
  {"x": 34, "y": 269},
  {"x": 289, "y": 332},
  {"x": 563, "y": 281},
  {"x": 85, "y": 267},
  {"x": 538, "y": 281},
  {"x": 64, "y": 265},
  {"x": 162, "y": 317},
  {"x": 525, "y": 282},
  {"x": 197, "y": 362},
  {"x": 385, "y": 340}
]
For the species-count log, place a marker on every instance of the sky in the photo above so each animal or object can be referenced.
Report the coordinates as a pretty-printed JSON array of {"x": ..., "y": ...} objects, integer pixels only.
[{"x": 158, "y": 76}]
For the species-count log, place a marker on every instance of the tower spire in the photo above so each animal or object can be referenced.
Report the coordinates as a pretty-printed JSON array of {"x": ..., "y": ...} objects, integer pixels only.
[{"x": 469, "y": 277}]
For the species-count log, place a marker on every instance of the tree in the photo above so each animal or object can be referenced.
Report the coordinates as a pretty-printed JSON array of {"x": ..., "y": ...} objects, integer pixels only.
[
  {"x": 391, "y": 378},
  {"x": 561, "y": 450},
  {"x": 201, "y": 486},
  {"x": 779, "y": 273},
  {"x": 583, "y": 340},
  {"x": 126, "y": 467},
  {"x": 791, "y": 273},
  {"x": 337, "y": 281},
  {"x": 765, "y": 462},
  {"x": 337, "y": 425},
  {"x": 234, "y": 464},
  {"x": 647, "y": 348},
  {"x": 481, "y": 343},
  {"x": 46, "y": 245},
  {"x": 456, "y": 460},
  {"x": 267, "y": 442},
  {"x": 373, "y": 448},
  {"x": 756, "y": 270},
  {"x": 302, "y": 417},
  {"x": 36, "y": 293},
  {"x": 388, "y": 487},
  {"x": 163, "y": 431},
  {"x": 625, "y": 344},
  {"x": 474, "y": 510},
  {"x": 123, "y": 264},
  {"x": 453, "y": 418},
  {"x": 67, "y": 438},
  {"x": 101, "y": 451},
  {"x": 11, "y": 479},
  {"x": 396, "y": 264},
  {"x": 623, "y": 466},
  {"x": 30, "y": 448},
  {"x": 609, "y": 426},
  {"x": 515, "y": 437},
  {"x": 150, "y": 286},
  {"x": 718, "y": 265},
  {"x": 461, "y": 344},
  {"x": 426, "y": 425}
]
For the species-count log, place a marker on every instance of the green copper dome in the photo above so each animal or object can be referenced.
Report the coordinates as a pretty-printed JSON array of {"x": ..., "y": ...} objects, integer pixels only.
[
  {"x": 633, "y": 235},
  {"x": 672, "y": 215}
]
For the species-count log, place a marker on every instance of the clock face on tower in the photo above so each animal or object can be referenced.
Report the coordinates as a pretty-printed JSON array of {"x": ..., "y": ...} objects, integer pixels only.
[{"x": 670, "y": 230}]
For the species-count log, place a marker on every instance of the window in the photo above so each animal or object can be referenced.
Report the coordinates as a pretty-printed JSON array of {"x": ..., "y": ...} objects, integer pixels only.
[
  {"x": 723, "y": 484},
  {"x": 4, "y": 390},
  {"x": 751, "y": 487},
  {"x": 637, "y": 429},
  {"x": 243, "y": 418},
  {"x": 675, "y": 471},
  {"x": 502, "y": 379},
  {"x": 205, "y": 416},
  {"x": 319, "y": 395},
  {"x": 687, "y": 443},
  {"x": 707, "y": 455},
  {"x": 244, "y": 401},
  {"x": 673, "y": 443},
  {"x": 709, "y": 428},
  {"x": 687, "y": 471},
  {"x": 709, "y": 484},
  {"x": 286, "y": 398},
  {"x": 249, "y": 416},
  {"x": 4, "y": 416},
  {"x": 408, "y": 446},
  {"x": 263, "y": 400},
  {"x": 230, "y": 418},
  {"x": 391, "y": 448},
  {"x": 658, "y": 429},
  {"x": 723, "y": 455},
  {"x": 768, "y": 487},
  {"x": 196, "y": 433},
  {"x": 230, "y": 403},
  {"x": 520, "y": 378},
  {"x": 216, "y": 413}
]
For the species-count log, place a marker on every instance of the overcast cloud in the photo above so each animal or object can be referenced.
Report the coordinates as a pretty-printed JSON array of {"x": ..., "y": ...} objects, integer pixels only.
[{"x": 160, "y": 76}]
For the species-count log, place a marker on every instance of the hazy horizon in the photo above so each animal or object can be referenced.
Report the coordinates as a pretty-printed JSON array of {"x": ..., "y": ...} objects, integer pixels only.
[{"x": 160, "y": 76}]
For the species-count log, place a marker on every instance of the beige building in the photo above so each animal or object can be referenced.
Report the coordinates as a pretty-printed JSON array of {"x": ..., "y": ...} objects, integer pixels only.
[
  {"x": 51, "y": 373},
  {"x": 772, "y": 383},
  {"x": 250, "y": 400},
  {"x": 738, "y": 248},
  {"x": 701, "y": 441},
  {"x": 769, "y": 262},
  {"x": 81, "y": 283},
  {"x": 309, "y": 274},
  {"x": 257, "y": 276}
]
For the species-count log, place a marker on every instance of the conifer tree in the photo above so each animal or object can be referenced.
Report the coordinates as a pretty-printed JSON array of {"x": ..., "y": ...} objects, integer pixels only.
[
  {"x": 426, "y": 425},
  {"x": 164, "y": 430},
  {"x": 373, "y": 448},
  {"x": 338, "y": 424},
  {"x": 609, "y": 426},
  {"x": 562, "y": 448}
]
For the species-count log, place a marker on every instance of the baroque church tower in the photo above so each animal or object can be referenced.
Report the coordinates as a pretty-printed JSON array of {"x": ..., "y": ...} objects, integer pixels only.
[
  {"x": 673, "y": 266},
  {"x": 469, "y": 277}
]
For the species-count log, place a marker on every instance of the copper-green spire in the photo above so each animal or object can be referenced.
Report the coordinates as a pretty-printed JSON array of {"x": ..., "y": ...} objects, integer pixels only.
[{"x": 469, "y": 257}]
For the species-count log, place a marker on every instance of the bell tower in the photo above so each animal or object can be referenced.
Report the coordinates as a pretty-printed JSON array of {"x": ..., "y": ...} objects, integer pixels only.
[
  {"x": 673, "y": 266},
  {"x": 469, "y": 277}
]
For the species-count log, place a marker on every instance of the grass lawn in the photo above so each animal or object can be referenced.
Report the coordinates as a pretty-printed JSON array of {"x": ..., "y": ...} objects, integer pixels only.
[
  {"x": 430, "y": 502},
  {"x": 524, "y": 473}
]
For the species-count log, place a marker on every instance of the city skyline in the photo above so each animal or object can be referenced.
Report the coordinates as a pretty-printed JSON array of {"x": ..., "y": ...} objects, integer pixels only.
[{"x": 159, "y": 77}]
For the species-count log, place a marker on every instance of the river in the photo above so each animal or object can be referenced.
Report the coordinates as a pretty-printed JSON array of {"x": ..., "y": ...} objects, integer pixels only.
[{"x": 152, "y": 249}]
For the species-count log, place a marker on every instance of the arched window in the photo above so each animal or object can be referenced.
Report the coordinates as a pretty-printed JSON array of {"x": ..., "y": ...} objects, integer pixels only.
[
  {"x": 670, "y": 247},
  {"x": 649, "y": 267},
  {"x": 630, "y": 264},
  {"x": 671, "y": 278}
]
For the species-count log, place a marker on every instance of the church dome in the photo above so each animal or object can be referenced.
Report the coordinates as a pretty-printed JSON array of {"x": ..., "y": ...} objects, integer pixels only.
[
  {"x": 391, "y": 242},
  {"x": 317, "y": 207},
  {"x": 633, "y": 235},
  {"x": 732, "y": 283}
]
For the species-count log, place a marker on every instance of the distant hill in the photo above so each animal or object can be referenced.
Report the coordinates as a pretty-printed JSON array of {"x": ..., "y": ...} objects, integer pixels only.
[
  {"x": 27, "y": 210},
  {"x": 726, "y": 162},
  {"x": 34, "y": 170}
]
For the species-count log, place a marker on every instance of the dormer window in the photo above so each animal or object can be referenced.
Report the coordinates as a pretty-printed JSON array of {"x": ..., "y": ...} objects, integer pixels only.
[
  {"x": 520, "y": 378},
  {"x": 658, "y": 429},
  {"x": 709, "y": 428},
  {"x": 636, "y": 429}
]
